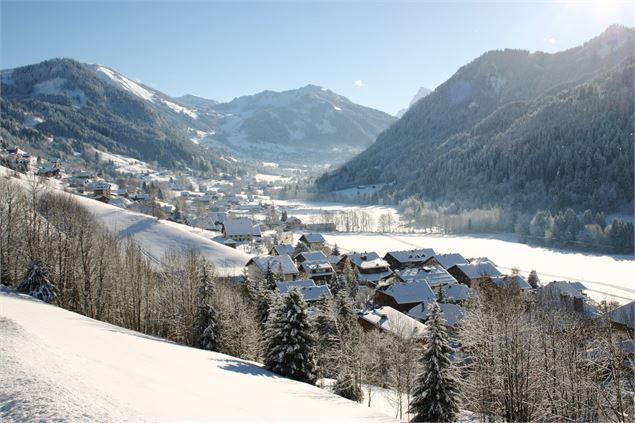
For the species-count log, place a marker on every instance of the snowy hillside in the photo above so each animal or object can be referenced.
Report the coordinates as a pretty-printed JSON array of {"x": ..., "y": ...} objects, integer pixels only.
[
  {"x": 61, "y": 366},
  {"x": 156, "y": 237}
]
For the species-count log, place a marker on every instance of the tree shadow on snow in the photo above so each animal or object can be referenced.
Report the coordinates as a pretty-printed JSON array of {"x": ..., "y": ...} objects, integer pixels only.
[{"x": 243, "y": 367}]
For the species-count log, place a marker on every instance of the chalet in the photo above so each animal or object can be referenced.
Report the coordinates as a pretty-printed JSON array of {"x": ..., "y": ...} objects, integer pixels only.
[
  {"x": 50, "y": 168},
  {"x": 372, "y": 269},
  {"x": 452, "y": 313},
  {"x": 241, "y": 230},
  {"x": 455, "y": 293},
  {"x": 445, "y": 261},
  {"x": 474, "y": 273},
  {"x": 293, "y": 222},
  {"x": 281, "y": 265},
  {"x": 319, "y": 270},
  {"x": 513, "y": 280},
  {"x": 100, "y": 189},
  {"x": 571, "y": 295},
  {"x": 389, "y": 320},
  {"x": 310, "y": 256},
  {"x": 142, "y": 196},
  {"x": 338, "y": 262},
  {"x": 408, "y": 259},
  {"x": 403, "y": 296},
  {"x": 624, "y": 317},
  {"x": 313, "y": 241},
  {"x": 227, "y": 242},
  {"x": 281, "y": 249},
  {"x": 433, "y": 276},
  {"x": 309, "y": 290}
]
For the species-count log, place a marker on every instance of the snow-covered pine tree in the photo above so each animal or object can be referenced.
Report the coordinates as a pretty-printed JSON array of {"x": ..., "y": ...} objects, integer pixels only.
[
  {"x": 37, "y": 284},
  {"x": 327, "y": 339},
  {"x": 205, "y": 328},
  {"x": 335, "y": 251},
  {"x": 300, "y": 247},
  {"x": 436, "y": 392},
  {"x": 270, "y": 278},
  {"x": 290, "y": 345}
]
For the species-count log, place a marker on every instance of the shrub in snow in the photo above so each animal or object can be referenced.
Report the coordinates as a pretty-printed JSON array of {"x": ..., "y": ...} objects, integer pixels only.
[
  {"x": 290, "y": 346},
  {"x": 205, "y": 328},
  {"x": 346, "y": 387},
  {"x": 435, "y": 396},
  {"x": 37, "y": 284}
]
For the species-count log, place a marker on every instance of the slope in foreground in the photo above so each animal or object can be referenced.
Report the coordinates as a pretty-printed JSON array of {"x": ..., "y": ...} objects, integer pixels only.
[{"x": 58, "y": 365}]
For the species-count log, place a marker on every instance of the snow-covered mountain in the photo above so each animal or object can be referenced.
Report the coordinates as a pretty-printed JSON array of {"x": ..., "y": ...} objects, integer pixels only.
[
  {"x": 420, "y": 94},
  {"x": 61, "y": 366},
  {"x": 310, "y": 124},
  {"x": 76, "y": 104}
]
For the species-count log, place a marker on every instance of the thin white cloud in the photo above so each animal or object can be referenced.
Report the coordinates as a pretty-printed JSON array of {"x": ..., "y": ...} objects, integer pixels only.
[
  {"x": 551, "y": 40},
  {"x": 358, "y": 83}
]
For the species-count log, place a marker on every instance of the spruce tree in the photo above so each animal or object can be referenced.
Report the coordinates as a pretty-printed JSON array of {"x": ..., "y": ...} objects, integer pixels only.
[
  {"x": 270, "y": 278},
  {"x": 328, "y": 344},
  {"x": 290, "y": 346},
  {"x": 205, "y": 327},
  {"x": 533, "y": 280},
  {"x": 335, "y": 251},
  {"x": 37, "y": 284},
  {"x": 435, "y": 396}
]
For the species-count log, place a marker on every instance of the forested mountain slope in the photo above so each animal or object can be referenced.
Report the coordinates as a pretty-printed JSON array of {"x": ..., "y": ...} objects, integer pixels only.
[
  {"x": 61, "y": 105},
  {"x": 515, "y": 128}
]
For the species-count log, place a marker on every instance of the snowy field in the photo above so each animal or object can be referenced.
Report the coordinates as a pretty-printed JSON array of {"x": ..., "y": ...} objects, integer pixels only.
[
  {"x": 310, "y": 211},
  {"x": 604, "y": 275},
  {"x": 61, "y": 366}
]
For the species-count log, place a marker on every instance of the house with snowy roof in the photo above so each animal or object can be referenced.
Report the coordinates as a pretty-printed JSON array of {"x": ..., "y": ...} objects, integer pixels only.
[
  {"x": 452, "y": 313},
  {"x": 408, "y": 258},
  {"x": 623, "y": 317},
  {"x": 389, "y": 320},
  {"x": 473, "y": 273},
  {"x": 433, "y": 276},
  {"x": 318, "y": 270},
  {"x": 313, "y": 241},
  {"x": 403, "y": 296},
  {"x": 50, "y": 168},
  {"x": 571, "y": 296},
  {"x": 371, "y": 268},
  {"x": 455, "y": 293},
  {"x": 282, "y": 266},
  {"x": 281, "y": 249},
  {"x": 241, "y": 230},
  {"x": 307, "y": 287},
  {"x": 511, "y": 280},
  {"x": 311, "y": 256},
  {"x": 445, "y": 260}
]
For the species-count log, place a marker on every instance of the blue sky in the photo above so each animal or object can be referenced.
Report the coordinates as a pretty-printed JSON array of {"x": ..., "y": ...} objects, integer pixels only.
[{"x": 376, "y": 53}]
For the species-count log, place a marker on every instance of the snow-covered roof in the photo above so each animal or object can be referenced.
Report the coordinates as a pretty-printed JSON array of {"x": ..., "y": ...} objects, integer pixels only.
[
  {"x": 456, "y": 292},
  {"x": 573, "y": 290},
  {"x": 373, "y": 264},
  {"x": 518, "y": 280},
  {"x": 411, "y": 256},
  {"x": 312, "y": 256},
  {"x": 432, "y": 275},
  {"x": 624, "y": 315},
  {"x": 309, "y": 290},
  {"x": 390, "y": 320},
  {"x": 449, "y": 260},
  {"x": 358, "y": 258},
  {"x": 312, "y": 238},
  {"x": 282, "y": 249},
  {"x": 452, "y": 313},
  {"x": 317, "y": 268},
  {"x": 408, "y": 292},
  {"x": 334, "y": 259},
  {"x": 279, "y": 264},
  {"x": 240, "y": 227},
  {"x": 375, "y": 276},
  {"x": 479, "y": 269},
  {"x": 285, "y": 286}
]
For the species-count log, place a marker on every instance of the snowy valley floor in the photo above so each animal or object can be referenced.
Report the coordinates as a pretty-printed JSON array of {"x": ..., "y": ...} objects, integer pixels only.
[{"x": 60, "y": 366}]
